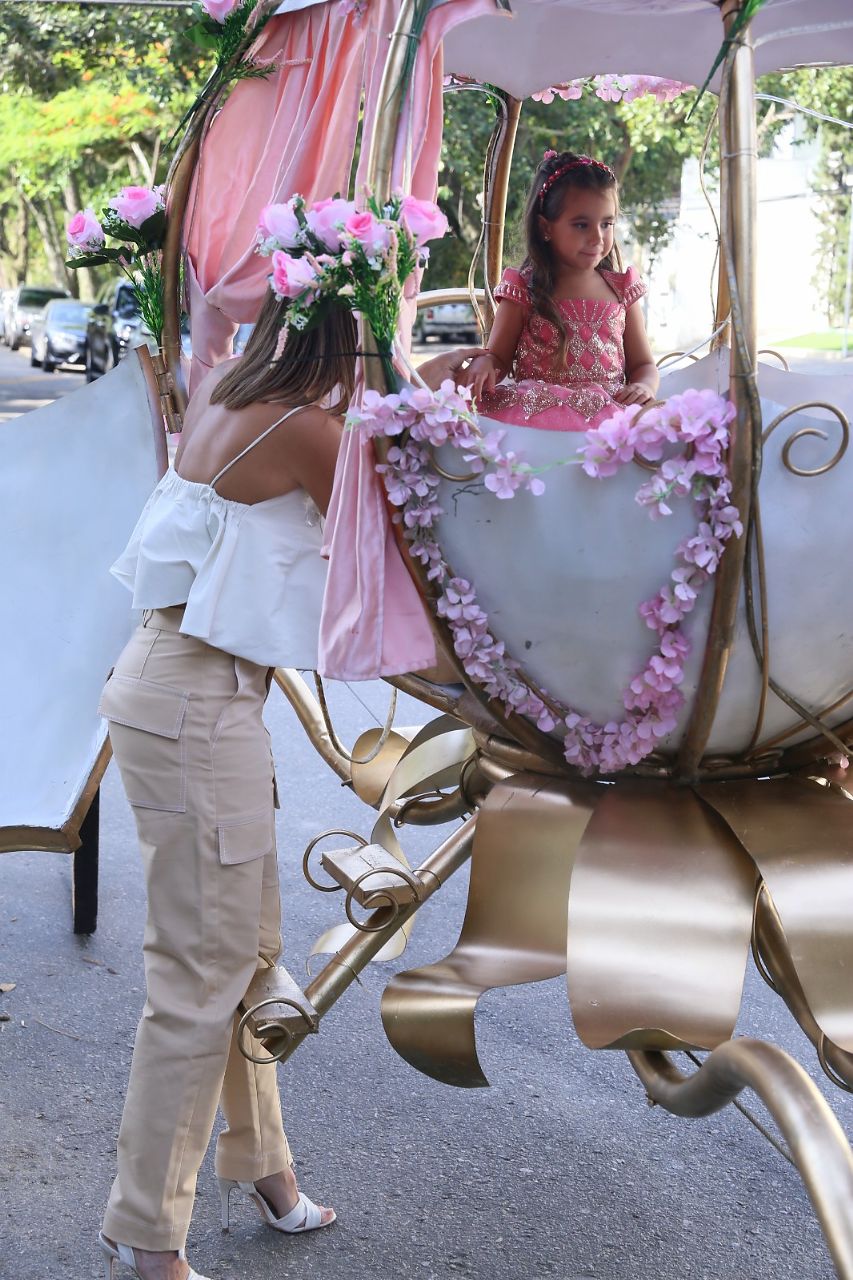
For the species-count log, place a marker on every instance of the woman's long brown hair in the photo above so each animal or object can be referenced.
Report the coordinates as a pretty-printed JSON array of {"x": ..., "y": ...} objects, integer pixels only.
[
  {"x": 539, "y": 263},
  {"x": 314, "y": 363}
]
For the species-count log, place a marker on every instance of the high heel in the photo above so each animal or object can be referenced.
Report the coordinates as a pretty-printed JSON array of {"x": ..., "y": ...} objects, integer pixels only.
[
  {"x": 304, "y": 1216},
  {"x": 123, "y": 1255}
]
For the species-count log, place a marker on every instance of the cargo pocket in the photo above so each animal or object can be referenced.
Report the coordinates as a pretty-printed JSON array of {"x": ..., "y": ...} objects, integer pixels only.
[
  {"x": 146, "y": 732},
  {"x": 242, "y": 839}
]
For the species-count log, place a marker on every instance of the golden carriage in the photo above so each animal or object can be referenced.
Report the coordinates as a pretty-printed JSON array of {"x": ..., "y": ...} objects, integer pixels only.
[{"x": 650, "y": 886}]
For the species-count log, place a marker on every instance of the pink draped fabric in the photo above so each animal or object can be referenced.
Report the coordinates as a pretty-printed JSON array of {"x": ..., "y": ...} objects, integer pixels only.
[
  {"x": 293, "y": 131},
  {"x": 296, "y": 131},
  {"x": 373, "y": 622}
]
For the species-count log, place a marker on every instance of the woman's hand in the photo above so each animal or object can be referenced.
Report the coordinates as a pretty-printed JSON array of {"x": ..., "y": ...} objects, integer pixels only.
[
  {"x": 447, "y": 365},
  {"x": 634, "y": 393}
]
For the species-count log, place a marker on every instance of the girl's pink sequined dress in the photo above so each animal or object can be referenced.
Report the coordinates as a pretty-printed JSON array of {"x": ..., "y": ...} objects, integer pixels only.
[{"x": 579, "y": 394}]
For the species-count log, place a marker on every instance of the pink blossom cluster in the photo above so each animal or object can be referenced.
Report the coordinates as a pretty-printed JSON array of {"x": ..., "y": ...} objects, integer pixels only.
[
  {"x": 339, "y": 225},
  {"x": 699, "y": 420},
  {"x": 615, "y": 88},
  {"x": 422, "y": 420}
]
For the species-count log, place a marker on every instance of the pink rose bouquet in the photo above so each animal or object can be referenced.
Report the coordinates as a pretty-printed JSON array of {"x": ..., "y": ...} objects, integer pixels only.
[
  {"x": 136, "y": 219},
  {"x": 339, "y": 252}
]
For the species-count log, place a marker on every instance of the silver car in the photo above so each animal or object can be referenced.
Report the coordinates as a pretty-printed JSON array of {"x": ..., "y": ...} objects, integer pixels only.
[
  {"x": 59, "y": 334},
  {"x": 447, "y": 321},
  {"x": 26, "y": 303}
]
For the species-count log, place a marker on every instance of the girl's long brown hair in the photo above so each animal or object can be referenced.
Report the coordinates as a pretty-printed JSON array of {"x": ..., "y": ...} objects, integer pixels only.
[
  {"x": 539, "y": 264},
  {"x": 314, "y": 363}
]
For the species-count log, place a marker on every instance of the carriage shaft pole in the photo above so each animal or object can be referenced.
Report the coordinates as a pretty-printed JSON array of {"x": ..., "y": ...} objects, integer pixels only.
[{"x": 817, "y": 1142}]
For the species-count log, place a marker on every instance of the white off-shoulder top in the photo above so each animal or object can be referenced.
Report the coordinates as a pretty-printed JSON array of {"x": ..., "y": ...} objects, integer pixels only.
[{"x": 251, "y": 577}]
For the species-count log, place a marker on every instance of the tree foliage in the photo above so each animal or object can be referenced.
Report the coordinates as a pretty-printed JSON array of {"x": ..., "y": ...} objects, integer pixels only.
[
  {"x": 89, "y": 96},
  {"x": 646, "y": 144}
]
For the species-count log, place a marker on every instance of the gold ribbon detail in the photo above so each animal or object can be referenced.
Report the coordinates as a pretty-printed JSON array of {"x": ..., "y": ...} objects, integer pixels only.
[{"x": 514, "y": 929}]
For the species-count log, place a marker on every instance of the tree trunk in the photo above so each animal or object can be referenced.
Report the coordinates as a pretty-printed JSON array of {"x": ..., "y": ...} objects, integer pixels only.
[{"x": 46, "y": 226}]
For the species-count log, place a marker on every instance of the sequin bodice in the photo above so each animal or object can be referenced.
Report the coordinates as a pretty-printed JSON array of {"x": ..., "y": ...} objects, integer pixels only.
[{"x": 594, "y": 350}]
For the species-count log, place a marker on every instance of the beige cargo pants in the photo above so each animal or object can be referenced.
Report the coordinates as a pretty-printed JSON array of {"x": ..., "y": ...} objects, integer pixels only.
[{"x": 188, "y": 737}]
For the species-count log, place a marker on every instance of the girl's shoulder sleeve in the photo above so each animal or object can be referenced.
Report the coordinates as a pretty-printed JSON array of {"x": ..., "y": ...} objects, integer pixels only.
[
  {"x": 628, "y": 285},
  {"x": 514, "y": 287}
]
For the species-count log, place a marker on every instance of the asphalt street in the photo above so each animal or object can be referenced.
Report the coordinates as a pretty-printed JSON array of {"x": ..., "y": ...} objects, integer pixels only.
[{"x": 560, "y": 1169}]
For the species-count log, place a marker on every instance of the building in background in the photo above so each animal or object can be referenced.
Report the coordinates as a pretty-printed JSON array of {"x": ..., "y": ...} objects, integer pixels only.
[{"x": 682, "y": 280}]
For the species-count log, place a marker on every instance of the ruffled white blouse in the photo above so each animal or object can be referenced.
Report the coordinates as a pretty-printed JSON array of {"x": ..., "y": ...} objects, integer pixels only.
[{"x": 251, "y": 577}]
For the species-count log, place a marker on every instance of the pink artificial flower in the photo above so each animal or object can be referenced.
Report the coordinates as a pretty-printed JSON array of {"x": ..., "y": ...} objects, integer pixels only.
[
  {"x": 279, "y": 223},
  {"x": 84, "y": 231},
  {"x": 373, "y": 235},
  {"x": 291, "y": 276},
  {"x": 219, "y": 10},
  {"x": 135, "y": 205},
  {"x": 326, "y": 219},
  {"x": 423, "y": 219}
]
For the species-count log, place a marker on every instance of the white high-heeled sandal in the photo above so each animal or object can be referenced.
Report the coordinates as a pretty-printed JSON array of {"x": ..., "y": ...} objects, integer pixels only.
[
  {"x": 123, "y": 1254},
  {"x": 304, "y": 1216}
]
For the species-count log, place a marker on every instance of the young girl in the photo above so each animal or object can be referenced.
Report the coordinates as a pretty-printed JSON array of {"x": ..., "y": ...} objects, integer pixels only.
[{"x": 568, "y": 343}]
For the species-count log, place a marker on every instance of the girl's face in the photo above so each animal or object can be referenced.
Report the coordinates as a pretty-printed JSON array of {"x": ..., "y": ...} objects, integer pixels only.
[{"x": 582, "y": 233}]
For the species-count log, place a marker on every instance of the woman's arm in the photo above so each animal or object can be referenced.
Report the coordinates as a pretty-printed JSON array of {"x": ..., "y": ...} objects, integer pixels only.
[
  {"x": 641, "y": 373},
  {"x": 447, "y": 365}
]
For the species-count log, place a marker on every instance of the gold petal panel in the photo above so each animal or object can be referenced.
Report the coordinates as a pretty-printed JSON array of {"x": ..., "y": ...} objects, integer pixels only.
[
  {"x": 660, "y": 916},
  {"x": 514, "y": 929}
]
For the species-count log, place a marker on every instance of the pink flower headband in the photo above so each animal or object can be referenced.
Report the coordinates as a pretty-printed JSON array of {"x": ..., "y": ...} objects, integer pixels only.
[{"x": 580, "y": 162}]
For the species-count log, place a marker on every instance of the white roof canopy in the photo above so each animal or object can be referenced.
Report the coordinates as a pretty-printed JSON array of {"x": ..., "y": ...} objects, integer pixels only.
[{"x": 545, "y": 42}]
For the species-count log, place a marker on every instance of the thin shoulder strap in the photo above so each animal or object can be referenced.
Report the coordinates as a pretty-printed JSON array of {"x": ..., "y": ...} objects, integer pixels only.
[{"x": 249, "y": 447}]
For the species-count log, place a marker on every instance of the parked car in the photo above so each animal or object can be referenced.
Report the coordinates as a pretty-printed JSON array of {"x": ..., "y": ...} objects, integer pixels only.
[
  {"x": 25, "y": 304},
  {"x": 113, "y": 327},
  {"x": 447, "y": 321},
  {"x": 59, "y": 334}
]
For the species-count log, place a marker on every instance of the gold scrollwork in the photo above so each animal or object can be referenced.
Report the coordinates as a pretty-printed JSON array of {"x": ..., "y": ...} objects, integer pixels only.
[
  {"x": 268, "y": 1030},
  {"x": 380, "y": 897},
  {"x": 448, "y": 475},
  {"x": 675, "y": 355},
  {"x": 810, "y": 431},
  {"x": 768, "y": 351},
  {"x": 312, "y": 845}
]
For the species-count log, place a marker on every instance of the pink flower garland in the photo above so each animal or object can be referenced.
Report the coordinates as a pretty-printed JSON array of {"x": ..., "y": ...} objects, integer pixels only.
[
  {"x": 612, "y": 88},
  {"x": 421, "y": 420}
]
